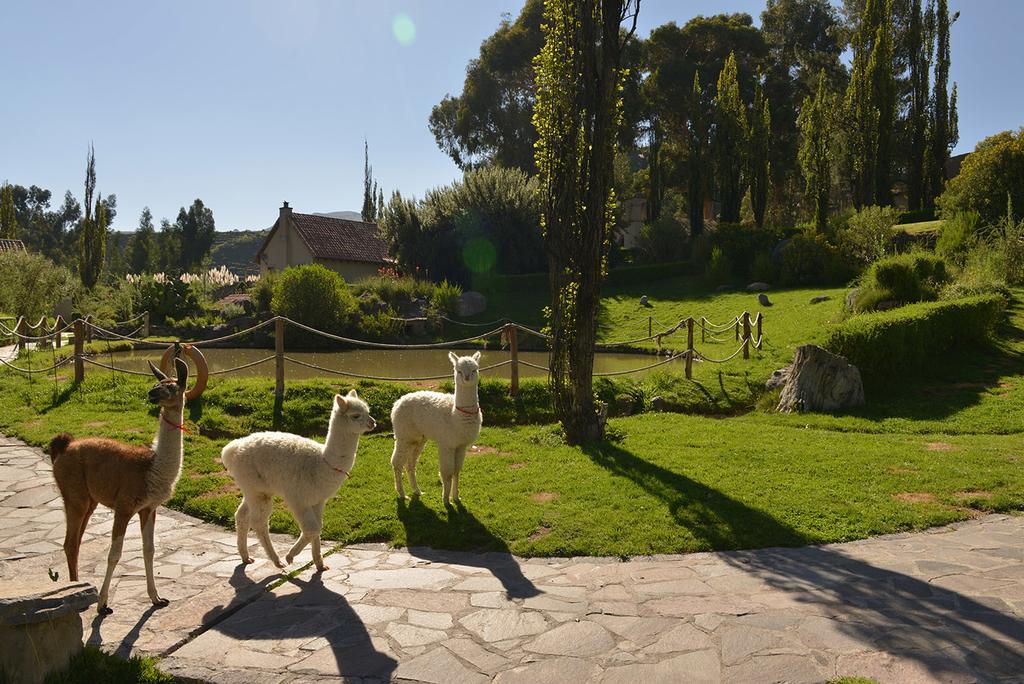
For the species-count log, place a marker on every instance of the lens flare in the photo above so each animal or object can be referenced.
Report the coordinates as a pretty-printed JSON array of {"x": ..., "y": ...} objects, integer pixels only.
[
  {"x": 479, "y": 255},
  {"x": 404, "y": 29}
]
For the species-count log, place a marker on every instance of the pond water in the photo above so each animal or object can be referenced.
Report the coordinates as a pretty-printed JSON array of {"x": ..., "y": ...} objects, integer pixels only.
[{"x": 379, "y": 363}]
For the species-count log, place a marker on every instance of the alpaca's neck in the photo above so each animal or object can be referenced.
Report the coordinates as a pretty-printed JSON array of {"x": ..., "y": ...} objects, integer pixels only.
[
  {"x": 168, "y": 445},
  {"x": 466, "y": 395},
  {"x": 340, "y": 448}
]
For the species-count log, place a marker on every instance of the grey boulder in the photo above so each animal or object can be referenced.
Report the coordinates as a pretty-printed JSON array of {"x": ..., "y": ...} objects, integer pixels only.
[{"x": 820, "y": 381}]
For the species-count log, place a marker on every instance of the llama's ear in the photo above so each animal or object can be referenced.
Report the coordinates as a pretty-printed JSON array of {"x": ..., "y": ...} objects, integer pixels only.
[
  {"x": 340, "y": 401},
  {"x": 476, "y": 357},
  {"x": 352, "y": 394},
  {"x": 182, "y": 372},
  {"x": 453, "y": 357},
  {"x": 157, "y": 373}
]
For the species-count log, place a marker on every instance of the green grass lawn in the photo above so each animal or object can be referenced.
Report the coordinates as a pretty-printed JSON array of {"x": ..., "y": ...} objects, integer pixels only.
[
  {"x": 921, "y": 227},
  {"x": 939, "y": 449}
]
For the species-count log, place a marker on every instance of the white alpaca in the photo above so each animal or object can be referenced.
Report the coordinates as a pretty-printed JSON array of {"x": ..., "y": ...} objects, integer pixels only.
[
  {"x": 303, "y": 471},
  {"x": 453, "y": 421}
]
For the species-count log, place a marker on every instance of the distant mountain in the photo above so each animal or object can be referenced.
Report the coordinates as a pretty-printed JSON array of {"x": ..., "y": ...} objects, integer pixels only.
[{"x": 347, "y": 215}]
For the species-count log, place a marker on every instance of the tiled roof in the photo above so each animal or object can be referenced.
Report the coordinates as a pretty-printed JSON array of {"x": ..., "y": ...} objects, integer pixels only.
[
  {"x": 334, "y": 238},
  {"x": 11, "y": 246}
]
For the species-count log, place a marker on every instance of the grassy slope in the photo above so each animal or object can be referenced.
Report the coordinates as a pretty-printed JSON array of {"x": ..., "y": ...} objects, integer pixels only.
[
  {"x": 921, "y": 227},
  {"x": 951, "y": 445}
]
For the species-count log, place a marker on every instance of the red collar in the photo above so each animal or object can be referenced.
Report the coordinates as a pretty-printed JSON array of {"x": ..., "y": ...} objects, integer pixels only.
[
  {"x": 476, "y": 410},
  {"x": 340, "y": 470},
  {"x": 173, "y": 424}
]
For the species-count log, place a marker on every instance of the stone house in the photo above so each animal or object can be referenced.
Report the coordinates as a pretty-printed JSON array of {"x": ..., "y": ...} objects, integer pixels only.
[{"x": 354, "y": 249}]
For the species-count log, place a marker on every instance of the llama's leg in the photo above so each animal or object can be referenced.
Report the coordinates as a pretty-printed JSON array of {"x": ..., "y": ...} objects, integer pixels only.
[
  {"x": 116, "y": 542},
  {"x": 260, "y": 508},
  {"x": 460, "y": 457},
  {"x": 410, "y": 466},
  {"x": 397, "y": 463},
  {"x": 76, "y": 518},
  {"x": 446, "y": 458},
  {"x": 242, "y": 523},
  {"x": 147, "y": 518},
  {"x": 310, "y": 524}
]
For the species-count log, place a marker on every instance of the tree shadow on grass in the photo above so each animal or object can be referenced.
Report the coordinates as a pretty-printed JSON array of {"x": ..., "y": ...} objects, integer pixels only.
[
  {"x": 424, "y": 529},
  {"x": 713, "y": 518},
  {"x": 939, "y": 630},
  {"x": 314, "y": 611}
]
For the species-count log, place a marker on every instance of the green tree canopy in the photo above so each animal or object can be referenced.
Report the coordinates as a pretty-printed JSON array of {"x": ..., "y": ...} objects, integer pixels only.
[
  {"x": 988, "y": 176},
  {"x": 197, "y": 228}
]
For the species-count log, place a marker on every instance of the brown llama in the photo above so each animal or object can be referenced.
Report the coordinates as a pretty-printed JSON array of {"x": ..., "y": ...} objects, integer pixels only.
[{"x": 126, "y": 478}]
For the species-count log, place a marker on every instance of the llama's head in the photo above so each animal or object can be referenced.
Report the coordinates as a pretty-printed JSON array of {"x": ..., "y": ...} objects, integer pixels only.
[
  {"x": 169, "y": 392},
  {"x": 467, "y": 368},
  {"x": 351, "y": 414}
]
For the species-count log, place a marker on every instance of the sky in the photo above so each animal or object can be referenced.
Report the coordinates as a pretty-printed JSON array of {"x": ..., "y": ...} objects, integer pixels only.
[{"x": 248, "y": 104}]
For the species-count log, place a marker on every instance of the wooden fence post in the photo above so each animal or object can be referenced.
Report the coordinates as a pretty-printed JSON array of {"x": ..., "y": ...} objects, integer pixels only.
[
  {"x": 703, "y": 327},
  {"x": 746, "y": 335},
  {"x": 21, "y": 327},
  {"x": 79, "y": 344},
  {"x": 58, "y": 325},
  {"x": 689, "y": 347},
  {"x": 650, "y": 326},
  {"x": 145, "y": 324},
  {"x": 737, "y": 329},
  {"x": 279, "y": 356},
  {"x": 512, "y": 334},
  {"x": 760, "y": 322}
]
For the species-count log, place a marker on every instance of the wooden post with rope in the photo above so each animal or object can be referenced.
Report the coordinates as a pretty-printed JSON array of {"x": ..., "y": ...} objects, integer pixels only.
[
  {"x": 279, "y": 357},
  {"x": 689, "y": 347},
  {"x": 650, "y": 326},
  {"x": 737, "y": 329},
  {"x": 746, "y": 335},
  {"x": 512, "y": 334},
  {"x": 760, "y": 337},
  {"x": 21, "y": 327},
  {"x": 79, "y": 345}
]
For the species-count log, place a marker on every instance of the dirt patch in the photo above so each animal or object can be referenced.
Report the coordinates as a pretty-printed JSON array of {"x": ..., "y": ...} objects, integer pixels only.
[
  {"x": 939, "y": 446},
  {"x": 544, "y": 497},
  {"x": 516, "y": 466},
  {"x": 226, "y": 488},
  {"x": 540, "y": 532},
  {"x": 914, "y": 497},
  {"x": 95, "y": 424},
  {"x": 902, "y": 471},
  {"x": 973, "y": 494}
]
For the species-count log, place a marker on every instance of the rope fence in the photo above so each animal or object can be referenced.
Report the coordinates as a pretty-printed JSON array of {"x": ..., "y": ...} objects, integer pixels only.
[{"x": 84, "y": 329}]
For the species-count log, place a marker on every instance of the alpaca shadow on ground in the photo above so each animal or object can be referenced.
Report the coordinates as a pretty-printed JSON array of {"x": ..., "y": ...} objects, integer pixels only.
[
  {"x": 938, "y": 629},
  {"x": 123, "y": 649},
  {"x": 424, "y": 527},
  {"x": 312, "y": 612},
  {"x": 717, "y": 520}
]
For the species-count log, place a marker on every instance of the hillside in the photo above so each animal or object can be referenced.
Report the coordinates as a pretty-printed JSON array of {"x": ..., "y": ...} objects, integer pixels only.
[{"x": 235, "y": 249}]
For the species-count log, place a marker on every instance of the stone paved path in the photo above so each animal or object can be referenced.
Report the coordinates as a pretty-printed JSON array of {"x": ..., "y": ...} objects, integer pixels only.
[{"x": 941, "y": 606}]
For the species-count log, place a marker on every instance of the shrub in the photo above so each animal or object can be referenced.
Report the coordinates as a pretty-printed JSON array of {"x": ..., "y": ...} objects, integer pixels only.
[
  {"x": 315, "y": 296},
  {"x": 263, "y": 291},
  {"x": 993, "y": 171},
  {"x": 167, "y": 298},
  {"x": 741, "y": 244},
  {"x": 804, "y": 260},
  {"x": 906, "y": 278},
  {"x": 719, "y": 271},
  {"x": 1008, "y": 239},
  {"x": 379, "y": 325},
  {"x": 891, "y": 345},
  {"x": 445, "y": 298},
  {"x": 31, "y": 285},
  {"x": 763, "y": 270},
  {"x": 958, "y": 234},
  {"x": 868, "y": 235},
  {"x": 662, "y": 240},
  {"x": 984, "y": 271}
]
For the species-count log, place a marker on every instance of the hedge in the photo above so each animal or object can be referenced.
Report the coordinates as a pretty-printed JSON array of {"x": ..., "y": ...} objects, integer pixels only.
[
  {"x": 890, "y": 345},
  {"x": 617, "y": 277}
]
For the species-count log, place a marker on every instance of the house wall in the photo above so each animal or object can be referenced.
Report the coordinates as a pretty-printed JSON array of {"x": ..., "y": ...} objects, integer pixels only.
[
  {"x": 285, "y": 249},
  {"x": 351, "y": 271}
]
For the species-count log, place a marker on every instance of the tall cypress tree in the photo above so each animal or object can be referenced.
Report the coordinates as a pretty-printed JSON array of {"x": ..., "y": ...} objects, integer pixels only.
[
  {"x": 697, "y": 143},
  {"x": 943, "y": 133},
  {"x": 815, "y": 155},
  {"x": 372, "y": 196},
  {"x": 919, "y": 60},
  {"x": 92, "y": 239},
  {"x": 730, "y": 139},
  {"x": 8, "y": 220},
  {"x": 871, "y": 107},
  {"x": 759, "y": 166}
]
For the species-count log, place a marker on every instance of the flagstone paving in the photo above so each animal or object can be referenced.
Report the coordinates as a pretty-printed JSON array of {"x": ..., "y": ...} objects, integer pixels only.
[{"x": 945, "y": 605}]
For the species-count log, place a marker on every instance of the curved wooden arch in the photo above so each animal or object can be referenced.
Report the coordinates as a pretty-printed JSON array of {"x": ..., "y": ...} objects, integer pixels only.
[{"x": 197, "y": 358}]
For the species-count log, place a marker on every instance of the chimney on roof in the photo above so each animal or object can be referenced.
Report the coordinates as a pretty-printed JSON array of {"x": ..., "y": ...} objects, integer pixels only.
[{"x": 286, "y": 211}]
